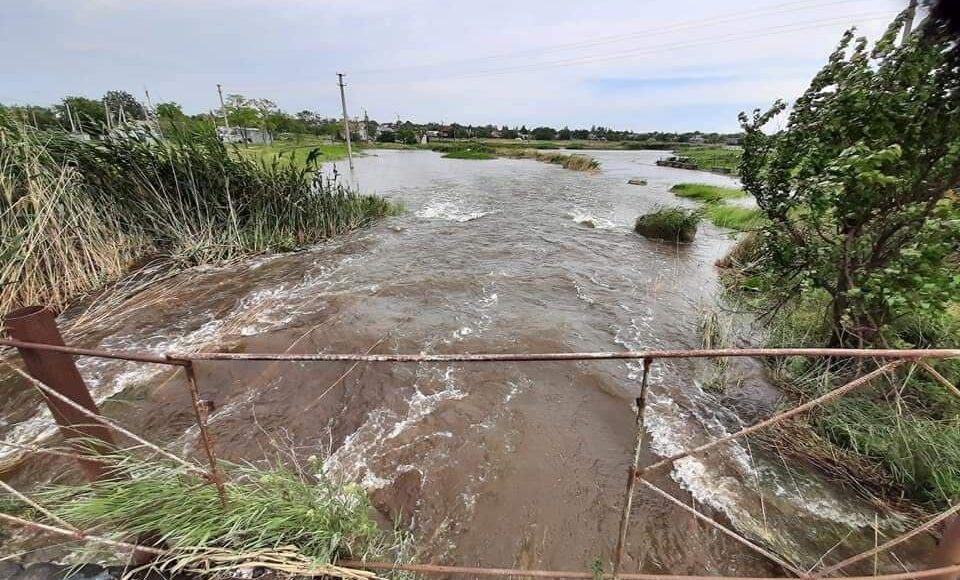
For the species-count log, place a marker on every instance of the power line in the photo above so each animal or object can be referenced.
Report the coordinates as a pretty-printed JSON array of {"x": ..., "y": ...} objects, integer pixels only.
[
  {"x": 742, "y": 35},
  {"x": 773, "y": 10}
]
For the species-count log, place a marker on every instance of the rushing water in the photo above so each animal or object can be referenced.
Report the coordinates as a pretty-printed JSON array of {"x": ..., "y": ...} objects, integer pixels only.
[{"x": 520, "y": 464}]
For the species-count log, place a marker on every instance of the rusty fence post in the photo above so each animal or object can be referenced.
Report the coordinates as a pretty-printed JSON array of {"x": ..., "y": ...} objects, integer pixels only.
[
  {"x": 201, "y": 412},
  {"x": 58, "y": 370},
  {"x": 632, "y": 475}
]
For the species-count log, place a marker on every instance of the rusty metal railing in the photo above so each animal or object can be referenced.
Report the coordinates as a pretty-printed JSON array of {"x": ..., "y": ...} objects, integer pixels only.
[{"x": 49, "y": 363}]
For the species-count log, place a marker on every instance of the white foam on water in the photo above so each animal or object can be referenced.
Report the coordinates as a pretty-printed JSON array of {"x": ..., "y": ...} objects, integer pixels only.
[
  {"x": 259, "y": 311},
  {"x": 451, "y": 211},
  {"x": 586, "y": 218}
]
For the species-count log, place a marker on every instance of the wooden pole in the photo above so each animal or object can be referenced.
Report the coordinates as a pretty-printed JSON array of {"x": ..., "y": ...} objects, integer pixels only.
[{"x": 346, "y": 120}]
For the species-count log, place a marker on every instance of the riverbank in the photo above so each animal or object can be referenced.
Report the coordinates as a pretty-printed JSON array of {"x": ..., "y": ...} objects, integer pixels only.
[
  {"x": 721, "y": 159},
  {"x": 479, "y": 150},
  {"x": 897, "y": 439},
  {"x": 77, "y": 215}
]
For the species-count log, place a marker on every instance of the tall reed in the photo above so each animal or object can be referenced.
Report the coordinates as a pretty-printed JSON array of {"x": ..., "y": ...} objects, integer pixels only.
[{"x": 75, "y": 214}]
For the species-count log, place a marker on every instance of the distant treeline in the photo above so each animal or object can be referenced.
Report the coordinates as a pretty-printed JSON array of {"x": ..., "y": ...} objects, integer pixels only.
[{"x": 86, "y": 115}]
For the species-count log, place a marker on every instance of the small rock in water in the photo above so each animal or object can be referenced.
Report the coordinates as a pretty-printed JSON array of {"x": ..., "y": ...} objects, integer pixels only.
[
  {"x": 588, "y": 224},
  {"x": 636, "y": 181}
]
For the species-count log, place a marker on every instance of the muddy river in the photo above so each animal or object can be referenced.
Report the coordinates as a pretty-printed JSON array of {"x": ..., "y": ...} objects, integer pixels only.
[{"x": 500, "y": 465}]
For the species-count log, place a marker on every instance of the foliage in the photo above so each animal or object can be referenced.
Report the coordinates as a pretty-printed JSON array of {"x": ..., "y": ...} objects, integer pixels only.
[
  {"x": 76, "y": 214},
  {"x": 857, "y": 188},
  {"x": 544, "y": 133},
  {"x": 706, "y": 193},
  {"x": 123, "y": 103},
  {"x": 673, "y": 224},
  {"x": 575, "y": 162}
]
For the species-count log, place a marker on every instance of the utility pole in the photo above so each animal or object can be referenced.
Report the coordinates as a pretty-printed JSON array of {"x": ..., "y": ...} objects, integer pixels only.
[
  {"x": 223, "y": 108},
  {"x": 106, "y": 111},
  {"x": 908, "y": 25},
  {"x": 346, "y": 120},
  {"x": 73, "y": 127}
]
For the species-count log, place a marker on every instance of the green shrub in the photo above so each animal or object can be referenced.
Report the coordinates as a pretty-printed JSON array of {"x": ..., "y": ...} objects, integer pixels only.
[
  {"x": 674, "y": 224},
  {"x": 739, "y": 218},
  {"x": 469, "y": 154}
]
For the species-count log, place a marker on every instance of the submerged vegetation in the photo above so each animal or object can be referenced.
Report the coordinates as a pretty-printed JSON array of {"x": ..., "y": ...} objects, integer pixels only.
[
  {"x": 715, "y": 158},
  {"x": 575, "y": 161},
  {"x": 859, "y": 247},
  {"x": 469, "y": 154},
  {"x": 734, "y": 217},
  {"x": 673, "y": 224},
  {"x": 76, "y": 214}
]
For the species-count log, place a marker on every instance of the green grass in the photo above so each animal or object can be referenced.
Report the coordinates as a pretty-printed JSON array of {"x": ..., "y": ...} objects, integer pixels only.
[
  {"x": 712, "y": 157},
  {"x": 269, "y": 507},
  {"x": 469, "y": 154},
  {"x": 706, "y": 193},
  {"x": 673, "y": 224},
  {"x": 741, "y": 219},
  {"x": 297, "y": 151},
  {"x": 75, "y": 215}
]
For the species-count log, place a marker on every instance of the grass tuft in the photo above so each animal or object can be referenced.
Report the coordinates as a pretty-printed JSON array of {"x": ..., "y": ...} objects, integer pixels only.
[
  {"x": 469, "y": 154},
  {"x": 741, "y": 219},
  {"x": 673, "y": 224},
  {"x": 305, "y": 515}
]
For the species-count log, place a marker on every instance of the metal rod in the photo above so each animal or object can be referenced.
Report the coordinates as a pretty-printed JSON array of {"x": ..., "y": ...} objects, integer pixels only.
[
  {"x": 929, "y": 524},
  {"x": 183, "y": 359},
  {"x": 58, "y": 371},
  {"x": 560, "y": 356},
  {"x": 639, "y": 430},
  {"x": 938, "y": 377},
  {"x": 434, "y": 569},
  {"x": 776, "y": 418},
  {"x": 205, "y": 438},
  {"x": 119, "y": 429},
  {"x": 756, "y": 548},
  {"x": 121, "y": 355}
]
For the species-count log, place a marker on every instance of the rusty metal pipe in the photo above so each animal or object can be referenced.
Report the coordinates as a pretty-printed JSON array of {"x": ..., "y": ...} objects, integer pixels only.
[
  {"x": 37, "y": 325},
  {"x": 576, "y": 356},
  {"x": 638, "y": 430},
  {"x": 121, "y": 355}
]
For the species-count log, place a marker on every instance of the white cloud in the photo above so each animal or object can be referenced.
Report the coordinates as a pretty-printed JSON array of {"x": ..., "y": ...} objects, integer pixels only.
[{"x": 500, "y": 61}]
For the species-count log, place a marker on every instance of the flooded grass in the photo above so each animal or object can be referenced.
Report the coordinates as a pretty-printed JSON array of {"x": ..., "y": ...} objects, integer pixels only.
[
  {"x": 706, "y": 193},
  {"x": 469, "y": 154},
  {"x": 741, "y": 219},
  {"x": 77, "y": 214},
  {"x": 713, "y": 158},
  {"x": 297, "y": 151},
  {"x": 575, "y": 162}
]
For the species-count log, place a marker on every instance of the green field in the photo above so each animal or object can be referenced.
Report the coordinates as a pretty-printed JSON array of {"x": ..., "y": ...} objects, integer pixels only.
[
  {"x": 296, "y": 151},
  {"x": 712, "y": 157}
]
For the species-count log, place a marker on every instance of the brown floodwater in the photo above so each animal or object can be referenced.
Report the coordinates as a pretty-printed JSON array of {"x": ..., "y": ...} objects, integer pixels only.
[{"x": 499, "y": 465}]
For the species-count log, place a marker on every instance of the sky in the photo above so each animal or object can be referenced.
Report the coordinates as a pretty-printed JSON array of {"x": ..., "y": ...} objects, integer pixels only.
[{"x": 677, "y": 65}]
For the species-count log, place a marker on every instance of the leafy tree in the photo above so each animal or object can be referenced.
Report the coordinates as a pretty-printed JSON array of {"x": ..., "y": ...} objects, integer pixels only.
[
  {"x": 123, "y": 101},
  {"x": 858, "y": 188},
  {"x": 544, "y": 133},
  {"x": 564, "y": 134},
  {"x": 508, "y": 133},
  {"x": 88, "y": 112},
  {"x": 580, "y": 134}
]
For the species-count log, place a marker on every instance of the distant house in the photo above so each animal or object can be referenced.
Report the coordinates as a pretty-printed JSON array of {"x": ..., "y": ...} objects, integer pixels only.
[
  {"x": 385, "y": 128},
  {"x": 445, "y": 132},
  {"x": 495, "y": 134},
  {"x": 697, "y": 140},
  {"x": 248, "y": 135}
]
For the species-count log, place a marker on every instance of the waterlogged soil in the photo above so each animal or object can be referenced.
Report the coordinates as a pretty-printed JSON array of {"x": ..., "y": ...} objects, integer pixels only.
[{"x": 500, "y": 465}]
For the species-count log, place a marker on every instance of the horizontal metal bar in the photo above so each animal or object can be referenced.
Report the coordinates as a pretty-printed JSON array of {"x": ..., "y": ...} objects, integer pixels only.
[
  {"x": 183, "y": 359},
  {"x": 521, "y": 573},
  {"x": 573, "y": 356},
  {"x": 121, "y": 355}
]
